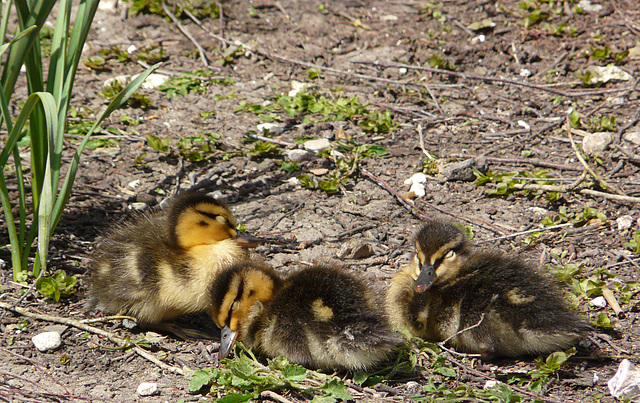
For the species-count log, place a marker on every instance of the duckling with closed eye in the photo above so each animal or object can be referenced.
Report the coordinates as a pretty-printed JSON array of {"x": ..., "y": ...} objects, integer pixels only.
[
  {"x": 480, "y": 301},
  {"x": 320, "y": 317},
  {"x": 161, "y": 265}
]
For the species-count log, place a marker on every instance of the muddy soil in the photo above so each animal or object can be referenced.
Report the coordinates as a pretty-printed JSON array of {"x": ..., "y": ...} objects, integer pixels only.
[{"x": 505, "y": 93}]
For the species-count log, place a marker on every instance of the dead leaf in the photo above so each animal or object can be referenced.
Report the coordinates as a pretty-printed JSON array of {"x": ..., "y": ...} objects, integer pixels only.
[{"x": 319, "y": 171}]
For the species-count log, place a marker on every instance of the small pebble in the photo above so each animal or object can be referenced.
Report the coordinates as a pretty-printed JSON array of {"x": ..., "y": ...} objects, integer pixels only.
[
  {"x": 624, "y": 222},
  {"x": 299, "y": 155},
  {"x": 147, "y": 388},
  {"x": 272, "y": 128},
  {"x": 489, "y": 384},
  {"x": 317, "y": 145},
  {"x": 47, "y": 341}
]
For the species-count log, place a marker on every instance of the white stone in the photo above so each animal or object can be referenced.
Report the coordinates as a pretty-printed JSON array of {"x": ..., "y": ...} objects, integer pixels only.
[
  {"x": 297, "y": 87},
  {"x": 131, "y": 49},
  {"x": 147, "y": 388},
  {"x": 299, "y": 155},
  {"x": 525, "y": 73},
  {"x": 270, "y": 127},
  {"x": 624, "y": 222},
  {"x": 47, "y": 341},
  {"x": 121, "y": 79},
  {"x": 294, "y": 181},
  {"x": 602, "y": 75},
  {"x": 600, "y": 302},
  {"x": 402, "y": 71},
  {"x": 317, "y": 145},
  {"x": 134, "y": 183},
  {"x": 596, "y": 143},
  {"x": 524, "y": 125}
]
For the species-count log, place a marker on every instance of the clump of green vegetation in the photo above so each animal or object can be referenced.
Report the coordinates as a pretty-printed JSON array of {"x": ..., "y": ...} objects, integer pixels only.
[
  {"x": 438, "y": 61},
  {"x": 193, "y": 148},
  {"x": 137, "y": 100},
  {"x": 505, "y": 183},
  {"x": 318, "y": 108},
  {"x": 57, "y": 286},
  {"x": 346, "y": 160},
  {"x": 244, "y": 378},
  {"x": 199, "y": 8},
  {"x": 197, "y": 82},
  {"x": 634, "y": 242}
]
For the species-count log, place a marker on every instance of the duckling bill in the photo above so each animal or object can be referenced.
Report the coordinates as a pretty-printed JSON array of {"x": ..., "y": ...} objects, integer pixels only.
[
  {"x": 160, "y": 265},
  {"x": 321, "y": 317},
  {"x": 481, "y": 301}
]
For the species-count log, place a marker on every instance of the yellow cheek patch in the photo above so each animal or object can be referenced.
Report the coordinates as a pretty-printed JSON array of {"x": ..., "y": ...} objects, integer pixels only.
[
  {"x": 229, "y": 298},
  {"x": 321, "y": 312}
]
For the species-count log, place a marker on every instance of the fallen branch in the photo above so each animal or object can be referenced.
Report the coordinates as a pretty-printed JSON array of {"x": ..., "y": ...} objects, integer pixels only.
[
  {"x": 186, "y": 33},
  {"x": 584, "y": 191},
  {"x": 120, "y": 342}
]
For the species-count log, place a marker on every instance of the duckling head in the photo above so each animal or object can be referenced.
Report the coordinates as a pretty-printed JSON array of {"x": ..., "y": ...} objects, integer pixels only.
[
  {"x": 442, "y": 250},
  {"x": 237, "y": 297},
  {"x": 198, "y": 219}
]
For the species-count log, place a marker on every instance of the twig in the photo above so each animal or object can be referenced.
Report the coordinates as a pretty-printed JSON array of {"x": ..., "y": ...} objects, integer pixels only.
[
  {"x": 480, "y": 222},
  {"x": 424, "y": 150},
  {"x": 287, "y": 214},
  {"x": 355, "y": 230},
  {"x": 77, "y": 324},
  {"x": 525, "y": 233},
  {"x": 270, "y": 140},
  {"x": 564, "y": 189},
  {"x": 633, "y": 121},
  {"x": 445, "y": 341},
  {"x": 611, "y": 299},
  {"x": 106, "y": 319},
  {"x": 268, "y": 394},
  {"x": 586, "y": 166},
  {"x": 494, "y": 79},
  {"x": 187, "y": 34}
]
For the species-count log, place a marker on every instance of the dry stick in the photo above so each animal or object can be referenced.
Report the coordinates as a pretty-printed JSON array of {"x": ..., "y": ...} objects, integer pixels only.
[
  {"x": 492, "y": 378},
  {"x": 187, "y": 34},
  {"x": 285, "y": 215},
  {"x": 611, "y": 299},
  {"x": 424, "y": 150},
  {"x": 632, "y": 261},
  {"x": 77, "y": 324},
  {"x": 590, "y": 192},
  {"x": 595, "y": 176},
  {"x": 494, "y": 79},
  {"x": 355, "y": 230},
  {"x": 534, "y": 161},
  {"x": 268, "y": 394},
  {"x": 270, "y": 140},
  {"x": 445, "y": 341},
  {"x": 482, "y": 223},
  {"x": 525, "y": 233},
  {"x": 633, "y": 121}
]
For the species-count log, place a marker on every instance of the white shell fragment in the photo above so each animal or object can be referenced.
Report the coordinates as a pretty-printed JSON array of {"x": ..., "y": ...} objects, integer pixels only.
[
  {"x": 147, "y": 388},
  {"x": 47, "y": 341},
  {"x": 626, "y": 382},
  {"x": 417, "y": 182},
  {"x": 489, "y": 384},
  {"x": 600, "y": 302}
]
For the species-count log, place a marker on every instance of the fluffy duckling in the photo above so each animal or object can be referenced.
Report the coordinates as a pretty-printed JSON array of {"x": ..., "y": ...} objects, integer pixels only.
[
  {"x": 320, "y": 317},
  {"x": 507, "y": 308},
  {"x": 161, "y": 264}
]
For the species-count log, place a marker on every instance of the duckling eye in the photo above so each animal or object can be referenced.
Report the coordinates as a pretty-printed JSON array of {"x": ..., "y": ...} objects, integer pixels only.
[
  {"x": 203, "y": 223},
  {"x": 251, "y": 292},
  {"x": 221, "y": 219},
  {"x": 450, "y": 255}
]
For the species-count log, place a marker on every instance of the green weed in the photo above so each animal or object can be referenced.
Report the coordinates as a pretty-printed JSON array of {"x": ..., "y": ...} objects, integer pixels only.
[
  {"x": 505, "y": 183},
  {"x": 196, "y": 82}
]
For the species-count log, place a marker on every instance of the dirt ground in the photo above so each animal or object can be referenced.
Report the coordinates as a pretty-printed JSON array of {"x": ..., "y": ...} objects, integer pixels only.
[{"x": 507, "y": 100}]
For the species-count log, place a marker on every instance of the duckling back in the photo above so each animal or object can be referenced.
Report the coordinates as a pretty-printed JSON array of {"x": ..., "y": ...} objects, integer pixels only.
[{"x": 323, "y": 317}]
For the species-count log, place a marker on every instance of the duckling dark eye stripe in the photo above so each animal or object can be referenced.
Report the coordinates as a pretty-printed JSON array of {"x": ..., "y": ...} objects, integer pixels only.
[{"x": 212, "y": 216}]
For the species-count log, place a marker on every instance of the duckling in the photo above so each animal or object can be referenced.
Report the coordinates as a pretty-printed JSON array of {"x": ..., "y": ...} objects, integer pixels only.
[
  {"x": 161, "y": 264},
  {"x": 480, "y": 301},
  {"x": 320, "y": 317}
]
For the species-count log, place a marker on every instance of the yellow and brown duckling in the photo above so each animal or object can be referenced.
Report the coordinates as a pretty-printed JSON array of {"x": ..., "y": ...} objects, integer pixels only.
[
  {"x": 508, "y": 308},
  {"x": 161, "y": 265},
  {"x": 319, "y": 317}
]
